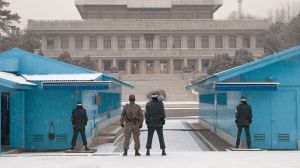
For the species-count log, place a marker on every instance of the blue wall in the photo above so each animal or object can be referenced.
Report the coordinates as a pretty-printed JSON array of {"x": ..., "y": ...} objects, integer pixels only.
[{"x": 276, "y": 114}]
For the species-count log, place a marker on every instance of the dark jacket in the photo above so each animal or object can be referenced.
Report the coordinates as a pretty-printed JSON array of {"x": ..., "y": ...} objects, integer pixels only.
[
  {"x": 155, "y": 114},
  {"x": 243, "y": 115},
  {"x": 79, "y": 117}
]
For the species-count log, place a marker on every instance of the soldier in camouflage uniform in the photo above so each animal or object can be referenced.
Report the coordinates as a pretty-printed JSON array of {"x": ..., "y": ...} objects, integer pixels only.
[
  {"x": 133, "y": 116},
  {"x": 155, "y": 119}
]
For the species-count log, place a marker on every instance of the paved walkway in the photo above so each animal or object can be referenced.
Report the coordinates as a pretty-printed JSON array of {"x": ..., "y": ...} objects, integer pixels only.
[{"x": 177, "y": 138}]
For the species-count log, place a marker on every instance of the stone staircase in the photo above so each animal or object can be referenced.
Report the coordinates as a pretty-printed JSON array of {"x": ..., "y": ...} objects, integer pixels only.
[
  {"x": 178, "y": 98},
  {"x": 108, "y": 134}
]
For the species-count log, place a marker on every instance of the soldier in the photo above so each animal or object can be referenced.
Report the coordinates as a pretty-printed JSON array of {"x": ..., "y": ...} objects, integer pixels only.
[
  {"x": 243, "y": 120},
  {"x": 133, "y": 116},
  {"x": 155, "y": 119},
  {"x": 79, "y": 120}
]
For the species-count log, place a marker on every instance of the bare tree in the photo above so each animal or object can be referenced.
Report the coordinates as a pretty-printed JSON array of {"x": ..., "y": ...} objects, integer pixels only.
[{"x": 65, "y": 57}]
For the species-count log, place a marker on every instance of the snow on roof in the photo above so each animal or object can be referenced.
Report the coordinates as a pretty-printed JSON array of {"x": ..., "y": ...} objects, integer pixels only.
[
  {"x": 14, "y": 78},
  {"x": 63, "y": 77}
]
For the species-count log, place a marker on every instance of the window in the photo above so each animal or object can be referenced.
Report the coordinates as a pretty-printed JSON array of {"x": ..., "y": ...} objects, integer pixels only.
[
  {"x": 135, "y": 42},
  {"x": 205, "y": 64},
  {"x": 93, "y": 43},
  {"x": 219, "y": 41},
  {"x": 232, "y": 41},
  {"x": 178, "y": 65},
  {"x": 177, "y": 42},
  {"x": 149, "y": 40},
  {"x": 193, "y": 64},
  {"x": 149, "y": 43},
  {"x": 107, "y": 64},
  {"x": 65, "y": 42},
  {"x": 78, "y": 41},
  {"x": 205, "y": 42},
  {"x": 191, "y": 42},
  {"x": 51, "y": 42},
  {"x": 121, "y": 41},
  {"x": 122, "y": 65},
  {"x": 107, "y": 41},
  {"x": 259, "y": 42},
  {"x": 246, "y": 41},
  {"x": 163, "y": 42}
]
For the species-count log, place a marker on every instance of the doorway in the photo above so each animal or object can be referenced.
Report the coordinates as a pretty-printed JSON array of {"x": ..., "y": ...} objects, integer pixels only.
[
  {"x": 5, "y": 119},
  {"x": 164, "y": 67},
  {"x": 150, "y": 67},
  {"x": 135, "y": 67}
]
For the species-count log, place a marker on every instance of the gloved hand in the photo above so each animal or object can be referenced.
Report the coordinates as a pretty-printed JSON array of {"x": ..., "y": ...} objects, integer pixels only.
[
  {"x": 163, "y": 122},
  {"x": 122, "y": 125}
]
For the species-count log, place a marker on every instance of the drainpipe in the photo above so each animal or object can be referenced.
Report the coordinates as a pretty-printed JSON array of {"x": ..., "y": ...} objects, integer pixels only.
[
  {"x": 0, "y": 120},
  {"x": 215, "y": 113}
]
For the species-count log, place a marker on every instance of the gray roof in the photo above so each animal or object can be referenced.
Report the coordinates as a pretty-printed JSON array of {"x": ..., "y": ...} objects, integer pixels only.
[
  {"x": 148, "y": 3},
  {"x": 148, "y": 25}
]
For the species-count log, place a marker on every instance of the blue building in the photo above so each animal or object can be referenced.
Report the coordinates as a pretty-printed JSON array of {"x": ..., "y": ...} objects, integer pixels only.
[
  {"x": 272, "y": 86},
  {"x": 39, "y": 93}
]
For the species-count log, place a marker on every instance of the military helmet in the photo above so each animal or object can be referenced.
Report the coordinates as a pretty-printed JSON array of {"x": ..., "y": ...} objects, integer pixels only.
[{"x": 243, "y": 99}]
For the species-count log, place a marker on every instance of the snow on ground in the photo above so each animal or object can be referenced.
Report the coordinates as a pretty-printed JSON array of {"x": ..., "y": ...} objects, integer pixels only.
[{"x": 175, "y": 160}]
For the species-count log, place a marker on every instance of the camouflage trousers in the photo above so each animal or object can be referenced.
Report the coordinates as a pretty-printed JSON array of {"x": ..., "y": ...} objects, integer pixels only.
[{"x": 130, "y": 129}]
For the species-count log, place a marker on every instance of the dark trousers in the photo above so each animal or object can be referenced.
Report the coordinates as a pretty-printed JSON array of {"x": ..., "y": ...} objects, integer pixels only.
[
  {"x": 160, "y": 134},
  {"x": 238, "y": 138},
  {"x": 75, "y": 134}
]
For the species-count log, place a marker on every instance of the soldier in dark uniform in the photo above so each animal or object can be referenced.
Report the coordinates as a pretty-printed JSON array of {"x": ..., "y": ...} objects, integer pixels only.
[
  {"x": 133, "y": 116},
  {"x": 155, "y": 119},
  {"x": 243, "y": 120},
  {"x": 79, "y": 120}
]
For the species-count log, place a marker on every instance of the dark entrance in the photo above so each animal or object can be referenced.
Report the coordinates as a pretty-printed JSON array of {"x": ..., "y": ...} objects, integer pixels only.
[{"x": 5, "y": 118}]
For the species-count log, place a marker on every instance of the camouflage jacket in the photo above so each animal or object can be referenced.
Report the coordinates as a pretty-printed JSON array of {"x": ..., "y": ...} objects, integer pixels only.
[{"x": 132, "y": 113}]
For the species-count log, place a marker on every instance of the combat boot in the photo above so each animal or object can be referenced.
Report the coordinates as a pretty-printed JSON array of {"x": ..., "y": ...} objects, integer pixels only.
[
  {"x": 137, "y": 153},
  {"x": 163, "y": 152},
  {"x": 125, "y": 152},
  {"x": 86, "y": 148},
  {"x": 148, "y": 152}
]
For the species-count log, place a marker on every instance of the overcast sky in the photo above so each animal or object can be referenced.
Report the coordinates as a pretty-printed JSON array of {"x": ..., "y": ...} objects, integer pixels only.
[{"x": 66, "y": 10}]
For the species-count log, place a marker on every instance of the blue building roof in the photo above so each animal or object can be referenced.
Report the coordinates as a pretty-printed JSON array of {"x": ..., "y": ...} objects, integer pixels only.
[
  {"x": 17, "y": 65},
  {"x": 230, "y": 73}
]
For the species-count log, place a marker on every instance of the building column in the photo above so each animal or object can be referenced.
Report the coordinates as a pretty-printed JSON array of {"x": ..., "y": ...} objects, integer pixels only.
[
  {"x": 171, "y": 66},
  {"x": 128, "y": 66},
  {"x": 100, "y": 65},
  {"x": 212, "y": 41},
  {"x": 253, "y": 41},
  {"x": 170, "y": 40},
  {"x": 86, "y": 42},
  {"x": 44, "y": 43},
  {"x": 184, "y": 41},
  {"x": 143, "y": 66},
  {"x": 198, "y": 41},
  {"x": 58, "y": 42},
  {"x": 239, "y": 41},
  {"x": 99, "y": 42},
  {"x": 128, "y": 41},
  {"x": 156, "y": 67},
  {"x": 185, "y": 62},
  {"x": 226, "y": 41},
  {"x": 200, "y": 65},
  {"x": 156, "y": 41},
  {"x": 142, "y": 41},
  {"x": 114, "y": 42},
  {"x": 72, "y": 42},
  {"x": 114, "y": 63}
]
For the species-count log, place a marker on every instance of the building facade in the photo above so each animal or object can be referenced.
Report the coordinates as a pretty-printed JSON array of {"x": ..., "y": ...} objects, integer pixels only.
[{"x": 149, "y": 37}]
